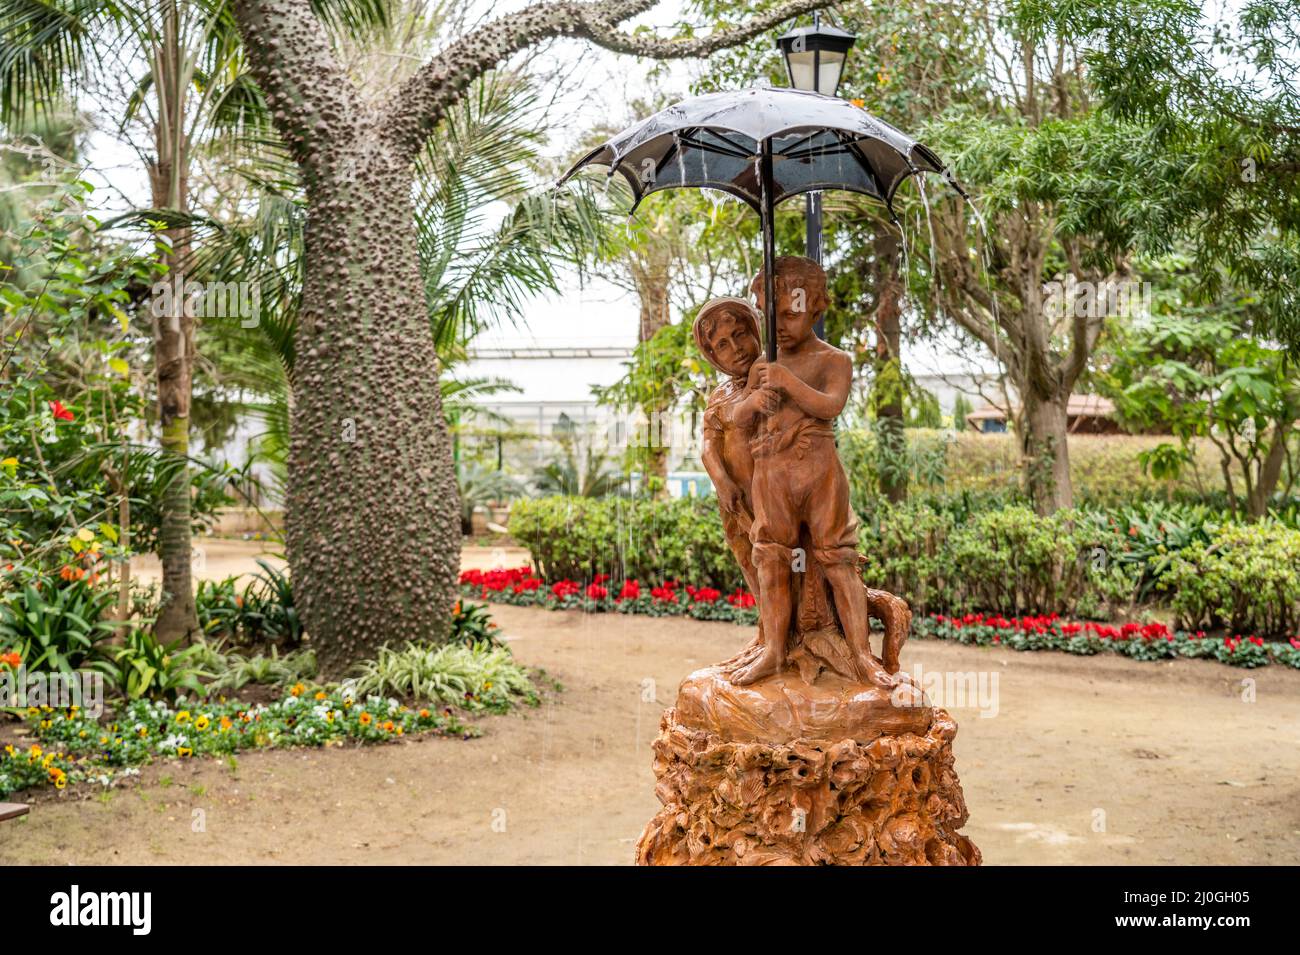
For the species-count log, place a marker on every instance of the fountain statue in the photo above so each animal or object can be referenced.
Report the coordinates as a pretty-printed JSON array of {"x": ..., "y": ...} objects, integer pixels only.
[{"x": 806, "y": 747}]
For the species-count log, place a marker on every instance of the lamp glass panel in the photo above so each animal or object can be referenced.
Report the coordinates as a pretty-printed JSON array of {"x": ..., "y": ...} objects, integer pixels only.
[
  {"x": 832, "y": 64},
  {"x": 801, "y": 69}
]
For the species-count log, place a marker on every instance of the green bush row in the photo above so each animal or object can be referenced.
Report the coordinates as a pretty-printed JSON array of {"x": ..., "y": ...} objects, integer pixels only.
[
  {"x": 1099, "y": 563},
  {"x": 576, "y": 538}
]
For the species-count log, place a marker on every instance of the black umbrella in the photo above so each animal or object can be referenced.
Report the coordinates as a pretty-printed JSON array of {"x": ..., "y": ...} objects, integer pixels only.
[{"x": 764, "y": 146}]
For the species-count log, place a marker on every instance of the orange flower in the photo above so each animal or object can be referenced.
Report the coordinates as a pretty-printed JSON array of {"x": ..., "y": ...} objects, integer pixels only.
[
  {"x": 424, "y": 714},
  {"x": 365, "y": 719},
  {"x": 12, "y": 659}
]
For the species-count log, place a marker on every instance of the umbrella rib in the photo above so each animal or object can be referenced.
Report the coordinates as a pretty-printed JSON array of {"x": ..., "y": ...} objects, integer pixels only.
[
  {"x": 741, "y": 151},
  {"x": 710, "y": 148},
  {"x": 816, "y": 151},
  {"x": 789, "y": 153},
  {"x": 668, "y": 154}
]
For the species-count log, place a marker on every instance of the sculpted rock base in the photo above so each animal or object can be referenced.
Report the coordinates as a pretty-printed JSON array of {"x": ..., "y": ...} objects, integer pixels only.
[{"x": 892, "y": 800}]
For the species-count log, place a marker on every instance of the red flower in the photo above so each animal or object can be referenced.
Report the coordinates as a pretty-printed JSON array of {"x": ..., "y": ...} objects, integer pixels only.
[
  {"x": 61, "y": 413},
  {"x": 631, "y": 590},
  {"x": 597, "y": 592},
  {"x": 565, "y": 588},
  {"x": 706, "y": 595},
  {"x": 742, "y": 599}
]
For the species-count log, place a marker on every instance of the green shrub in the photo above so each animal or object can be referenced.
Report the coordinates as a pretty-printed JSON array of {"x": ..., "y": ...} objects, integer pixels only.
[
  {"x": 1014, "y": 561},
  {"x": 1246, "y": 577},
  {"x": 234, "y": 671},
  {"x": 56, "y": 624},
  {"x": 576, "y": 538},
  {"x": 146, "y": 668},
  {"x": 263, "y": 612},
  {"x": 907, "y": 550},
  {"x": 480, "y": 677},
  {"x": 1008, "y": 560}
]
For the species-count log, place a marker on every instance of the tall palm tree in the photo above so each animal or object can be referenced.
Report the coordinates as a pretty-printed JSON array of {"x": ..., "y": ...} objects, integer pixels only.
[{"x": 172, "y": 72}]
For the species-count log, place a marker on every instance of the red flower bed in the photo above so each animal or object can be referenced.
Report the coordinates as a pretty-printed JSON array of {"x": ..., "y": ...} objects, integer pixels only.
[{"x": 1141, "y": 641}]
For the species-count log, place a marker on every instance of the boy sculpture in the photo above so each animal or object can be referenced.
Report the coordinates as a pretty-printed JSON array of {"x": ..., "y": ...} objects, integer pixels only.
[{"x": 798, "y": 478}]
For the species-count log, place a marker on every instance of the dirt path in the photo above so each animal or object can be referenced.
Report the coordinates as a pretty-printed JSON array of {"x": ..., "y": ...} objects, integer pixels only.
[{"x": 1087, "y": 760}]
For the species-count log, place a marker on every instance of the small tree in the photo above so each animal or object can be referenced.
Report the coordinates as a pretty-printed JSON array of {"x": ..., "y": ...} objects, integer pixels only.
[{"x": 1205, "y": 378}]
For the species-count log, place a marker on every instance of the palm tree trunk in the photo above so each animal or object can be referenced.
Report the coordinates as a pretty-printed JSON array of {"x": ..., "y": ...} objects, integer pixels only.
[{"x": 174, "y": 338}]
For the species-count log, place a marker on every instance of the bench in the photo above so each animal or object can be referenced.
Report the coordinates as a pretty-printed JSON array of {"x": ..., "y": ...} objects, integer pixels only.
[{"x": 12, "y": 810}]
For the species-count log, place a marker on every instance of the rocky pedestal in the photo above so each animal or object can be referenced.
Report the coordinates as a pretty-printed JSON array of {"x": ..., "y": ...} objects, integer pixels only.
[{"x": 804, "y": 768}]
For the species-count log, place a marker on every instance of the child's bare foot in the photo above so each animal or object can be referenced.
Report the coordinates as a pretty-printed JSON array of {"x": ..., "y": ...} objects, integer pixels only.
[
  {"x": 873, "y": 672},
  {"x": 769, "y": 662}
]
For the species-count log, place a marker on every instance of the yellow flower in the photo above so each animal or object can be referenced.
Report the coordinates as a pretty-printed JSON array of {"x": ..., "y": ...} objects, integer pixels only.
[
  {"x": 81, "y": 735},
  {"x": 183, "y": 716},
  {"x": 184, "y": 751},
  {"x": 34, "y": 752},
  {"x": 10, "y": 751},
  {"x": 49, "y": 758},
  {"x": 33, "y": 711},
  {"x": 202, "y": 723}
]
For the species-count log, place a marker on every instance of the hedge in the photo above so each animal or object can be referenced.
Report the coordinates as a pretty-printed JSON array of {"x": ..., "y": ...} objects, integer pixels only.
[
  {"x": 1104, "y": 469},
  {"x": 1088, "y": 563}
]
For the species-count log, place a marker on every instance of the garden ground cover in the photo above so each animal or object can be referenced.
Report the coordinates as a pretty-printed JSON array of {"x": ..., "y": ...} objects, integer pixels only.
[{"x": 1184, "y": 769}]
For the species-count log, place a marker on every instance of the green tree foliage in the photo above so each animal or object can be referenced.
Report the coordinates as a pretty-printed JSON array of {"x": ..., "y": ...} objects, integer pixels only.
[
  {"x": 1220, "y": 103},
  {"x": 1202, "y": 375}
]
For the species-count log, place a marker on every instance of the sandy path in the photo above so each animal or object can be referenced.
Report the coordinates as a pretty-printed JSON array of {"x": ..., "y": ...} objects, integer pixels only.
[{"x": 1088, "y": 760}]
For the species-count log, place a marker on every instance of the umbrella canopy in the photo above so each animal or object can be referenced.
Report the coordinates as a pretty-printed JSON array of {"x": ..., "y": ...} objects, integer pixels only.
[{"x": 763, "y": 146}]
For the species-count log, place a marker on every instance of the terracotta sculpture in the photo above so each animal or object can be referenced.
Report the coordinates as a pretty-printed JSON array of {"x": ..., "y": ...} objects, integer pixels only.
[
  {"x": 804, "y": 747},
  {"x": 726, "y": 333}
]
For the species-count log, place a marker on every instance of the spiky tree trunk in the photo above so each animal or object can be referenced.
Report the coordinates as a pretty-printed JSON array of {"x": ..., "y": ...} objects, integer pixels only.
[
  {"x": 373, "y": 523},
  {"x": 887, "y": 395},
  {"x": 173, "y": 334}
]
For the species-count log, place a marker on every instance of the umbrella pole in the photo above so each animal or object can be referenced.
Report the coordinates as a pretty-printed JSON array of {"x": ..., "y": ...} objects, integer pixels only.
[{"x": 768, "y": 228}]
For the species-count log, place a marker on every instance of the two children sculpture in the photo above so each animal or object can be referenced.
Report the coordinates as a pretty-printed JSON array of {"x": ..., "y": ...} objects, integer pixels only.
[{"x": 770, "y": 449}]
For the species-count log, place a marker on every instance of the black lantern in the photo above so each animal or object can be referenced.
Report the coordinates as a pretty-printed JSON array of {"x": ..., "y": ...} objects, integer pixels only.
[{"x": 815, "y": 55}]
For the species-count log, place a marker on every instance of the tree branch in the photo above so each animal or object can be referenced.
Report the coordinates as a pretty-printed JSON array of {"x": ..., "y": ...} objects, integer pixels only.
[
  {"x": 310, "y": 97},
  {"x": 424, "y": 99}
]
